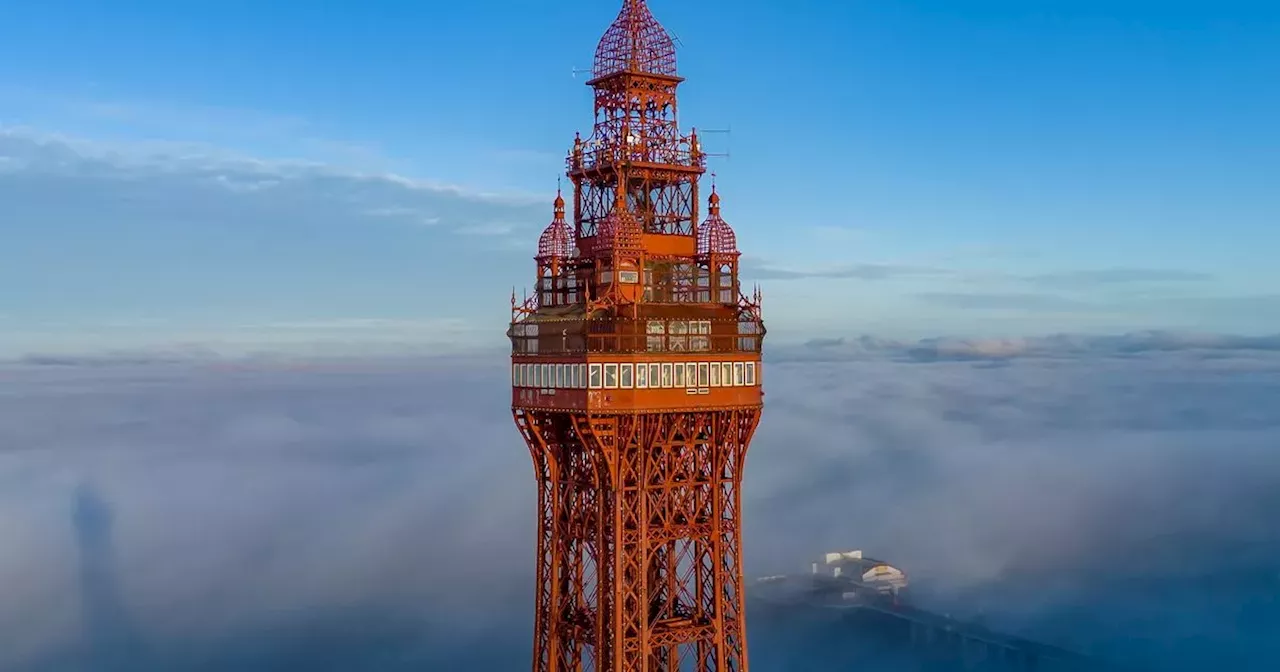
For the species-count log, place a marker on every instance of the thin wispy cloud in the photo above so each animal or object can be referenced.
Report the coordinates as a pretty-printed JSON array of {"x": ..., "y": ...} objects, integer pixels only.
[{"x": 1003, "y": 301}]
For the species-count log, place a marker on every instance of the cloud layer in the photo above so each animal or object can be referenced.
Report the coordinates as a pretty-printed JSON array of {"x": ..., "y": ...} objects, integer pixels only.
[
  {"x": 377, "y": 515},
  {"x": 1059, "y": 346}
]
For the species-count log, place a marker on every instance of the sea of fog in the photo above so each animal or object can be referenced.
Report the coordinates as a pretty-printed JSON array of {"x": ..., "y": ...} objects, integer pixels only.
[{"x": 378, "y": 515}]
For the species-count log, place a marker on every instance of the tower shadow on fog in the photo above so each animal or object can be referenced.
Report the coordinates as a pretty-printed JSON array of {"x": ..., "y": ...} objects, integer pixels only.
[{"x": 110, "y": 642}]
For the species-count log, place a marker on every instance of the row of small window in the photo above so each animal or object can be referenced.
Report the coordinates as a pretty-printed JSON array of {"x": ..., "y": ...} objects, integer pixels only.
[
  {"x": 634, "y": 376},
  {"x": 678, "y": 327}
]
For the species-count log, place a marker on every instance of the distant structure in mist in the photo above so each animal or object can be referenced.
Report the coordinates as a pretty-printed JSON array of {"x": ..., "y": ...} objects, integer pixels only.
[
  {"x": 868, "y": 596},
  {"x": 110, "y": 642},
  {"x": 636, "y": 376}
]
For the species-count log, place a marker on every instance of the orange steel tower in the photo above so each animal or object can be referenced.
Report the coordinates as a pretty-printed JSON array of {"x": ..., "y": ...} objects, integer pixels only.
[{"x": 636, "y": 375}]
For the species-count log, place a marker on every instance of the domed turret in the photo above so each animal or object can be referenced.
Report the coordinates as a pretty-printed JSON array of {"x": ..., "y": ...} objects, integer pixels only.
[
  {"x": 556, "y": 240},
  {"x": 715, "y": 236},
  {"x": 619, "y": 231},
  {"x": 635, "y": 42}
]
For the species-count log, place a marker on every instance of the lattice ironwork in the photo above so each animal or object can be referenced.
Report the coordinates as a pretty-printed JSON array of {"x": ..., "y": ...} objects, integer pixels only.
[
  {"x": 639, "y": 529},
  {"x": 635, "y": 42},
  {"x": 619, "y": 232}
]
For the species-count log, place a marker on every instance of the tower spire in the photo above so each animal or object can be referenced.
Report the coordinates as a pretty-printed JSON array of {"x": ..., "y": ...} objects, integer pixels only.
[{"x": 635, "y": 43}]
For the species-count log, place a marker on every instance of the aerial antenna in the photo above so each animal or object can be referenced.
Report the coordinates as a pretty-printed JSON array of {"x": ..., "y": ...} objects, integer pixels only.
[{"x": 727, "y": 131}]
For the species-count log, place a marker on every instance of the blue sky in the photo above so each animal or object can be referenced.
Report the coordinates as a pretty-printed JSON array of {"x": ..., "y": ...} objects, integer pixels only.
[{"x": 245, "y": 175}]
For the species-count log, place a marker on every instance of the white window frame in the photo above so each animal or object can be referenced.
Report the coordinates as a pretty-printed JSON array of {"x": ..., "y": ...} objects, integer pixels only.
[
  {"x": 677, "y": 375},
  {"x": 666, "y": 374},
  {"x": 704, "y": 374},
  {"x": 559, "y": 380},
  {"x": 655, "y": 375},
  {"x": 690, "y": 374},
  {"x": 626, "y": 376},
  {"x": 738, "y": 374},
  {"x": 642, "y": 376},
  {"x": 726, "y": 374},
  {"x": 715, "y": 374},
  {"x": 611, "y": 366},
  {"x": 596, "y": 376},
  {"x": 750, "y": 374},
  {"x": 582, "y": 376}
]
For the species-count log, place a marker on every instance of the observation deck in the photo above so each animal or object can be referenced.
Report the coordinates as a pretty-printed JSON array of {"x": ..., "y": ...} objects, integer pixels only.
[
  {"x": 615, "y": 364},
  {"x": 588, "y": 160}
]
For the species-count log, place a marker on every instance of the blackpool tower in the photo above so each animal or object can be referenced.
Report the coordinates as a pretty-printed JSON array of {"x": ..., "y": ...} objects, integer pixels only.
[{"x": 636, "y": 384}]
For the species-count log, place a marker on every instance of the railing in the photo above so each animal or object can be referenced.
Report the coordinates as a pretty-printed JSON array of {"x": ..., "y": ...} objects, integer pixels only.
[
  {"x": 666, "y": 154},
  {"x": 627, "y": 336}
]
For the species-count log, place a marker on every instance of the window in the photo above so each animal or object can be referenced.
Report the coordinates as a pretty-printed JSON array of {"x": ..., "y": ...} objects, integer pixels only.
[
  {"x": 610, "y": 376},
  {"x": 666, "y": 374},
  {"x": 582, "y": 376},
  {"x": 700, "y": 335},
  {"x": 691, "y": 374},
  {"x": 655, "y": 327},
  {"x": 625, "y": 379},
  {"x": 751, "y": 373},
  {"x": 642, "y": 376},
  {"x": 678, "y": 339},
  {"x": 629, "y": 277},
  {"x": 515, "y": 375},
  {"x": 559, "y": 381},
  {"x": 655, "y": 375},
  {"x": 655, "y": 343},
  {"x": 715, "y": 374},
  {"x": 678, "y": 374},
  {"x": 704, "y": 374},
  {"x": 596, "y": 382},
  {"x": 726, "y": 374},
  {"x": 737, "y": 373}
]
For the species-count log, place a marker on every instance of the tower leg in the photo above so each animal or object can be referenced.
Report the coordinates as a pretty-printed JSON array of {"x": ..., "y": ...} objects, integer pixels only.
[{"x": 639, "y": 544}]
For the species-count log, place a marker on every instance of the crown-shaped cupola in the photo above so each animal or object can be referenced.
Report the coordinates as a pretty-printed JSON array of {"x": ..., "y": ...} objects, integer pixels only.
[
  {"x": 556, "y": 241},
  {"x": 718, "y": 251},
  {"x": 715, "y": 236},
  {"x": 635, "y": 43}
]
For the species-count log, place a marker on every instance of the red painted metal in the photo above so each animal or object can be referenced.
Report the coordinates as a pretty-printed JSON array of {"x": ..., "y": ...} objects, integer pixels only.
[{"x": 636, "y": 380}]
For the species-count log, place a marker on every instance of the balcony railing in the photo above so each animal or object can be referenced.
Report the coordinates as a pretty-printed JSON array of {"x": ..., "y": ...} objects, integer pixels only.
[{"x": 665, "y": 154}]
